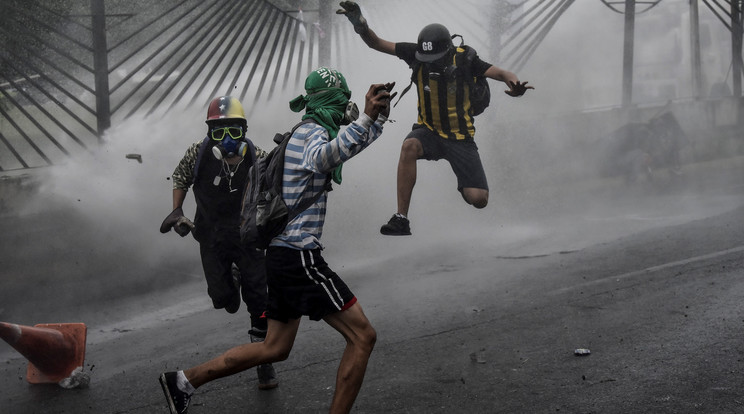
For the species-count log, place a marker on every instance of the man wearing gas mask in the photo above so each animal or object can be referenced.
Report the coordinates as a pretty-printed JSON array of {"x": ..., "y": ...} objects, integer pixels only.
[
  {"x": 445, "y": 126},
  {"x": 217, "y": 168}
]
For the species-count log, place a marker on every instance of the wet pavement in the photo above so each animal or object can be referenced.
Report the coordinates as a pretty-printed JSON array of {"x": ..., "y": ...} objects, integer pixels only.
[{"x": 651, "y": 286}]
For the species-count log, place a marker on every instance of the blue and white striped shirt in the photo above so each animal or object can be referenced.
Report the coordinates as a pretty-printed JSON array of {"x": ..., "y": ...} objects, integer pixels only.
[{"x": 310, "y": 157}]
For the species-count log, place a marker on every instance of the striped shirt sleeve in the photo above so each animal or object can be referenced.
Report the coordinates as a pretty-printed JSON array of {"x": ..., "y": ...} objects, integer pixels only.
[{"x": 310, "y": 157}]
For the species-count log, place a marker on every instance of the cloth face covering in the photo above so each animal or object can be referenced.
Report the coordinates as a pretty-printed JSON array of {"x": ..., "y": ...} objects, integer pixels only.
[{"x": 325, "y": 103}]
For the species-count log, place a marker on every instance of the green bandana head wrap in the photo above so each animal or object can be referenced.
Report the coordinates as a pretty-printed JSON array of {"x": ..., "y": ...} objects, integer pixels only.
[{"x": 325, "y": 102}]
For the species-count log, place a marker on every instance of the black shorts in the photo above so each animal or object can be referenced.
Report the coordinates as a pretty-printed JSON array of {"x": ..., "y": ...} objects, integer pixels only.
[
  {"x": 462, "y": 155},
  {"x": 301, "y": 283}
]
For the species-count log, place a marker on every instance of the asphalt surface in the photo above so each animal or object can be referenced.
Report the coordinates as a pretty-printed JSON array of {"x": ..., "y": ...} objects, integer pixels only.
[{"x": 651, "y": 284}]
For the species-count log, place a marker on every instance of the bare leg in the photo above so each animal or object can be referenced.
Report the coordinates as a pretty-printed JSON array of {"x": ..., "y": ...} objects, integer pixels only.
[
  {"x": 410, "y": 152},
  {"x": 360, "y": 340},
  {"x": 277, "y": 346},
  {"x": 477, "y": 197}
]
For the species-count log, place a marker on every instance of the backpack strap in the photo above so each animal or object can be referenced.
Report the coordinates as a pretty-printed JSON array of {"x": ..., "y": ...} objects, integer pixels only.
[
  {"x": 414, "y": 71},
  {"x": 251, "y": 150},
  {"x": 306, "y": 203},
  {"x": 466, "y": 62},
  {"x": 199, "y": 154}
]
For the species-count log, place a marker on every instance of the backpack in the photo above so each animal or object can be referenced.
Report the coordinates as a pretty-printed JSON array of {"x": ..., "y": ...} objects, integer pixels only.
[
  {"x": 264, "y": 214},
  {"x": 480, "y": 92}
]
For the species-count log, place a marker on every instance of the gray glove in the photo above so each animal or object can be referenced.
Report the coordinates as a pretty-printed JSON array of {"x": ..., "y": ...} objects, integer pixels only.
[
  {"x": 354, "y": 14},
  {"x": 177, "y": 221}
]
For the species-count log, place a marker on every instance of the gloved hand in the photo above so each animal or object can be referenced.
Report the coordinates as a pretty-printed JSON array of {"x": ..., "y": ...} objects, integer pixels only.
[
  {"x": 183, "y": 226},
  {"x": 177, "y": 220},
  {"x": 354, "y": 14}
]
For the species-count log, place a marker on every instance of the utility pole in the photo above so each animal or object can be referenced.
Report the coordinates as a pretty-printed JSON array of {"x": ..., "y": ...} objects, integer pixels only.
[
  {"x": 697, "y": 77},
  {"x": 736, "y": 44},
  {"x": 628, "y": 52},
  {"x": 100, "y": 65}
]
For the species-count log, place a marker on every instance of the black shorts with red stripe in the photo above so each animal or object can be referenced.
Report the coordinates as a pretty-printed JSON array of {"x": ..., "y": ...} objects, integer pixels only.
[{"x": 301, "y": 283}]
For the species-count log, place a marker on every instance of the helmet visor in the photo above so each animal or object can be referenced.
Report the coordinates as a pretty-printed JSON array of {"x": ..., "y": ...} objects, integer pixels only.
[{"x": 430, "y": 57}]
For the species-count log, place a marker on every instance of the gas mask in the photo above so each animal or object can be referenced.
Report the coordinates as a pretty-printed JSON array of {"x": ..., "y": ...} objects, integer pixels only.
[
  {"x": 440, "y": 70},
  {"x": 351, "y": 113},
  {"x": 229, "y": 141}
]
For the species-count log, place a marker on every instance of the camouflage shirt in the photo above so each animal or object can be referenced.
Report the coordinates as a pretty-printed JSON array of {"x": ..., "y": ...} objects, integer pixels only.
[{"x": 183, "y": 175}]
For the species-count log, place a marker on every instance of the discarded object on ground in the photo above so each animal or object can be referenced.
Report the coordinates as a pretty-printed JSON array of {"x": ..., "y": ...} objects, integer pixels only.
[{"x": 55, "y": 351}]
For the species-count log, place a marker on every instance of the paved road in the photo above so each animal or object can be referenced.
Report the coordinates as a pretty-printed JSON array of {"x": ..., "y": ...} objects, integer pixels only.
[{"x": 652, "y": 285}]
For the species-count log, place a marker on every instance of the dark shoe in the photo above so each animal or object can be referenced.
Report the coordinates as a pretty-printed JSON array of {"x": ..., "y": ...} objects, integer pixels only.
[
  {"x": 266, "y": 374},
  {"x": 234, "y": 304},
  {"x": 397, "y": 226},
  {"x": 266, "y": 377},
  {"x": 178, "y": 401}
]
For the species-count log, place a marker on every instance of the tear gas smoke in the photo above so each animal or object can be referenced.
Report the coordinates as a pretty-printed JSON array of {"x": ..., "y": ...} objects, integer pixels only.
[{"x": 545, "y": 194}]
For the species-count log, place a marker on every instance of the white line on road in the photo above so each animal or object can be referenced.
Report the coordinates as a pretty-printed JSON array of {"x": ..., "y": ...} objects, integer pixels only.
[{"x": 652, "y": 269}]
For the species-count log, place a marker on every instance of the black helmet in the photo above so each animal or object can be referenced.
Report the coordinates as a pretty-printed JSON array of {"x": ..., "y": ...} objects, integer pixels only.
[{"x": 434, "y": 41}]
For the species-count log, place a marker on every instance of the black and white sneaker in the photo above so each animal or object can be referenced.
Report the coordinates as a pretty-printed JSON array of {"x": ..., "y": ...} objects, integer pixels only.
[
  {"x": 397, "y": 226},
  {"x": 178, "y": 401}
]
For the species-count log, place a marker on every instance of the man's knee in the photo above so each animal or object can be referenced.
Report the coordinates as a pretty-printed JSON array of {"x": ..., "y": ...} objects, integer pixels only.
[
  {"x": 367, "y": 338},
  {"x": 480, "y": 202},
  {"x": 277, "y": 353},
  {"x": 411, "y": 149},
  {"x": 476, "y": 197}
]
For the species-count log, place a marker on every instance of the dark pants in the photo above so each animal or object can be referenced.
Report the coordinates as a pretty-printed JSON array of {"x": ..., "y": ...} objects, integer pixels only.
[{"x": 218, "y": 253}]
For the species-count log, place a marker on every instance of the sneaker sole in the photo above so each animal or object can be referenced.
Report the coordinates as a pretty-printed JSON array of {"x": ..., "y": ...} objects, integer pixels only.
[
  {"x": 168, "y": 396},
  {"x": 387, "y": 233},
  {"x": 266, "y": 387}
]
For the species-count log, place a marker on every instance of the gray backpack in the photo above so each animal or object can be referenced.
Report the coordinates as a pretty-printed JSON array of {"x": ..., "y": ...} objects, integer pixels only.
[{"x": 264, "y": 214}]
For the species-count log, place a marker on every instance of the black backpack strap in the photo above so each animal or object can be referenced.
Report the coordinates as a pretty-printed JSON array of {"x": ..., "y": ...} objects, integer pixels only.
[
  {"x": 414, "y": 71},
  {"x": 464, "y": 61},
  {"x": 199, "y": 155},
  {"x": 305, "y": 204},
  {"x": 251, "y": 150},
  {"x": 403, "y": 93}
]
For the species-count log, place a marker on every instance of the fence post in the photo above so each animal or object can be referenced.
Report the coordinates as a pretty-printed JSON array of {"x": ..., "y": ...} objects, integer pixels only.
[
  {"x": 100, "y": 65},
  {"x": 628, "y": 44},
  {"x": 736, "y": 56},
  {"x": 697, "y": 77}
]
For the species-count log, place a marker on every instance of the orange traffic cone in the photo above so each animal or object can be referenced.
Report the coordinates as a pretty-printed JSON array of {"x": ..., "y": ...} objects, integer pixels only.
[{"x": 54, "y": 350}]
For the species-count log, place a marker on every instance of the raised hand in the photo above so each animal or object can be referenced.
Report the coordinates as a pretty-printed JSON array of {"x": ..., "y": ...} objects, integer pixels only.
[
  {"x": 377, "y": 100},
  {"x": 517, "y": 88},
  {"x": 352, "y": 11}
]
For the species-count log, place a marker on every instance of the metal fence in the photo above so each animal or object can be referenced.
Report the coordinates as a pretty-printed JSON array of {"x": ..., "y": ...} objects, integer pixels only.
[
  {"x": 69, "y": 69},
  {"x": 64, "y": 78}
]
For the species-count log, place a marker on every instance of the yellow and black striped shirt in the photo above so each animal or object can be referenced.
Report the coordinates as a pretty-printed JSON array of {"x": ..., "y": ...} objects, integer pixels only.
[{"x": 443, "y": 101}]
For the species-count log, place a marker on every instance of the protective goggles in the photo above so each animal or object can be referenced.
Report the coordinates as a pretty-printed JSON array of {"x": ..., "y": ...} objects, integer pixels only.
[{"x": 218, "y": 134}]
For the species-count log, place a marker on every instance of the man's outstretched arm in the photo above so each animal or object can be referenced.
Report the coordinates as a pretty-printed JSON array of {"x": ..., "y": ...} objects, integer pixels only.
[
  {"x": 352, "y": 11},
  {"x": 516, "y": 88}
]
